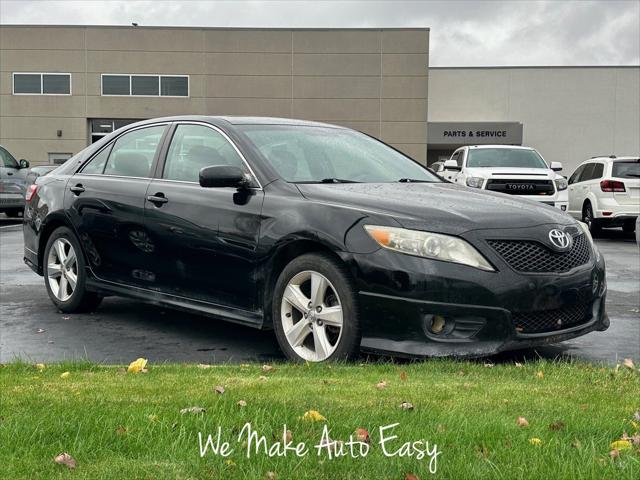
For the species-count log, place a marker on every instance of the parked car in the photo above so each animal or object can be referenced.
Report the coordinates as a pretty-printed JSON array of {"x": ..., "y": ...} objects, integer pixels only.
[
  {"x": 332, "y": 238},
  {"x": 605, "y": 192},
  {"x": 507, "y": 169},
  {"x": 12, "y": 183},
  {"x": 39, "y": 171}
]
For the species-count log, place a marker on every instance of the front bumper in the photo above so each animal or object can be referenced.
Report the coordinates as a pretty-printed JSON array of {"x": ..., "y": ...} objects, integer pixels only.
[{"x": 399, "y": 296}]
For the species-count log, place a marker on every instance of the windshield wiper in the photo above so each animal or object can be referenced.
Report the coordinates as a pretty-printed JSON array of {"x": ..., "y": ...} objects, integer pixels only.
[
  {"x": 337, "y": 180},
  {"x": 413, "y": 180}
]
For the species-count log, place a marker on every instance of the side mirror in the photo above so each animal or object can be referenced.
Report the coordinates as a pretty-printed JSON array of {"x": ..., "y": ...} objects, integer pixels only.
[
  {"x": 24, "y": 163},
  {"x": 452, "y": 165},
  {"x": 556, "y": 166},
  {"x": 222, "y": 176}
]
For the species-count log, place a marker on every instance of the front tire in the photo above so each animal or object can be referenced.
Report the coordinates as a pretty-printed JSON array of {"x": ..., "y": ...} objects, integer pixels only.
[
  {"x": 587, "y": 217},
  {"x": 315, "y": 310},
  {"x": 65, "y": 273}
]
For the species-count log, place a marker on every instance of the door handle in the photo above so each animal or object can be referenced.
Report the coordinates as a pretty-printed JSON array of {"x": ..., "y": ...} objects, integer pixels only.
[
  {"x": 158, "y": 199},
  {"x": 78, "y": 189},
  {"x": 9, "y": 173}
]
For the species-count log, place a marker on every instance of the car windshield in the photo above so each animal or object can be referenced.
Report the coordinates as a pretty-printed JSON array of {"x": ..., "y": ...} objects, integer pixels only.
[
  {"x": 630, "y": 169},
  {"x": 315, "y": 154},
  {"x": 505, "y": 157}
]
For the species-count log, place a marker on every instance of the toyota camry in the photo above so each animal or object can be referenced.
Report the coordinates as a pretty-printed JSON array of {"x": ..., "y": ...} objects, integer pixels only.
[{"x": 333, "y": 239}]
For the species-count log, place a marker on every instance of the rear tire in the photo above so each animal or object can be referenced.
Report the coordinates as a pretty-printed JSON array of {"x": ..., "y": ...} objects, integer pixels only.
[
  {"x": 65, "y": 274},
  {"x": 629, "y": 226},
  {"x": 315, "y": 310},
  {"x": 594, "y": 225}
]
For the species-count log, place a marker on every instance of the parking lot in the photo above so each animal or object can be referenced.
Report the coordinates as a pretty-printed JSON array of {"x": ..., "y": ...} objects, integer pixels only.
[{"x": 32, "y": 330}]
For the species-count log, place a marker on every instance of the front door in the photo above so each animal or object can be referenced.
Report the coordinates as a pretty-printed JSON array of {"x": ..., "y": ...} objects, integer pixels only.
[
  {"x": 105, "y": 201},
  {"x": 205, "y": 238}
]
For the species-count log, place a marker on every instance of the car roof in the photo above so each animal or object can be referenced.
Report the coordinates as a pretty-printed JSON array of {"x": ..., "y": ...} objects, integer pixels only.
[
  {"x": 613, "y": 158},
  {"x": 238, "y": 120},
  {"x": 518, "y": 147}
]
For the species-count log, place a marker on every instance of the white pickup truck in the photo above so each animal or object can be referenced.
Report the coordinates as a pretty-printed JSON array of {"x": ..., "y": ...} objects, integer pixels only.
[{"x": 507, "y": 169}]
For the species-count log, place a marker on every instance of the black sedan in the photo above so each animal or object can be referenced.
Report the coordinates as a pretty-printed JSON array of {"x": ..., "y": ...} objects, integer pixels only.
[{"x": 332, "y": 238}]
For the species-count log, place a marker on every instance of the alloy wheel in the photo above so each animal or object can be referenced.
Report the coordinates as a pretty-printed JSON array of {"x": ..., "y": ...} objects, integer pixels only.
[
  {"x": 62, "y": 269},
  {"x": 312, "y": 316}
]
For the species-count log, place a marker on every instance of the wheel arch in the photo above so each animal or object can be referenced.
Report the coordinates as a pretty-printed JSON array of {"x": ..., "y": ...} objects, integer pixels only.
[
  {"x": 280, "y": 258},
  {"x": 54, "y": 221}
]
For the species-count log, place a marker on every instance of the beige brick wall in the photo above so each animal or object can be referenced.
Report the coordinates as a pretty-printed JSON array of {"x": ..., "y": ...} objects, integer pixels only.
[{"x": 371, "y": 80}]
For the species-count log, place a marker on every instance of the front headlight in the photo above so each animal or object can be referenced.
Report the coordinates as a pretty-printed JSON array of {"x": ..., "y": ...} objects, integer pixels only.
[
  {"x": 429, "y": 245},
  {"x": 561, "y": 184},
  {"x": 475, "y": 182},
  {"x": 585, "y": 229}
]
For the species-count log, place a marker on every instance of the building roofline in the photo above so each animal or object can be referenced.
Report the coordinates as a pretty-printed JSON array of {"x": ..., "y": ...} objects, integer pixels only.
[
  {"x": 512, "y": 67},
  {"x": 192, "y": 27}
]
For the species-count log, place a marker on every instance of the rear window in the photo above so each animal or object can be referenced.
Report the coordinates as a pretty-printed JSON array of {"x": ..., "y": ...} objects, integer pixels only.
[{"x": 630, "y": 169}]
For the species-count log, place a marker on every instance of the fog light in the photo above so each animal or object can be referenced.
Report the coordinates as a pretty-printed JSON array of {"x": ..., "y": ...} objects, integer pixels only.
[{"x": 437, "y": 324}]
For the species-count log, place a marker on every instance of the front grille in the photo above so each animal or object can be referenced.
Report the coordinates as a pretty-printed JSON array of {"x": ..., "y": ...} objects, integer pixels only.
[
  {"x": 533, "y": 257},
  {"x": 521, "y": 186},
  {"x": 551, "y": 320}
]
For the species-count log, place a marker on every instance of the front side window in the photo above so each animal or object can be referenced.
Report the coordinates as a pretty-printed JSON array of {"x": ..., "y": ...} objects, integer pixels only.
[
  {"x": 42, "y": 84},
  {"x": 576, "y": 175},
  {"x": 308, "y": 154},
  {"x": 504, "y": 157},
  {"x": 7, "y": 159},
  {"x": 132, "y": 154},
  {"x": 587, "y": 173},
  {"x": 194, "y": 147}
]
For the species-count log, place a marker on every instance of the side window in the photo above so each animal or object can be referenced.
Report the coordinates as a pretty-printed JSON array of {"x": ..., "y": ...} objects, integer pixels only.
[
  {"x": 132, "y": 154},
  {"x": 576, "y": 175},
  {"x": 587, "y": 174},
  {"x": 7, "y": 159},
  {"x": 97, "y": 163},
  {"x": 194, "y": 147},
  {"x": 598, "y": 170}
]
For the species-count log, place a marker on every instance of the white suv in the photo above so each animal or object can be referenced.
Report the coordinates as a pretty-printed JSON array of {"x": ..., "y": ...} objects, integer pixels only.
[
  {"x": 507, "y": 169},
  {"x": 605, "y": 192}
]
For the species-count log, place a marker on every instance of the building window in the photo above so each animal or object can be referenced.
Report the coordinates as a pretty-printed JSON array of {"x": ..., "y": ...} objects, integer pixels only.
[
  {"x": 42, "y": 83},
  {"x": 102, "y": 127},
  {"x": 138, "y": 85}
]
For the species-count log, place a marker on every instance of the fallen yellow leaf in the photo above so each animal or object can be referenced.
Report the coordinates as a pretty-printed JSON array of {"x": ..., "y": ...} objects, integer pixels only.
[
  {"x": 621, "y": 445},
  {"x": 65, "y": 375},
  {"x": 313, "y": 416},
  {"x": 137, "y": 366},
  {"x": 40, "y": 366},
  {"x": 540, "y": 374},
  {"x": 522, "y": 422},
  {"x": 535, "y": 441}
]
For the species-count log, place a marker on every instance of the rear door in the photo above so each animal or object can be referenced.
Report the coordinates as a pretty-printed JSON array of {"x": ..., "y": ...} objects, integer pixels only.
[
  {"x": 577, "y": 190},
  {"x": 105, "y": 201},
  {"x": 628, "y": 172},
  {"x": 205, "y": 238}
]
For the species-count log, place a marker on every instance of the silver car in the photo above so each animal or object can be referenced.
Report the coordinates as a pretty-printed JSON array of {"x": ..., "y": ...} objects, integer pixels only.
[{"x": 12, "y": 183}]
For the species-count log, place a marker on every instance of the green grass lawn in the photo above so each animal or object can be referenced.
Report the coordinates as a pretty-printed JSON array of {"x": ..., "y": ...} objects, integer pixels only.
[{"x": 126, "y": 426}]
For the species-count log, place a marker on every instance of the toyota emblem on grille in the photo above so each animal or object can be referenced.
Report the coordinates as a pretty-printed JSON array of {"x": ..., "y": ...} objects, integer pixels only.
[{"x": 560, "y": 240}]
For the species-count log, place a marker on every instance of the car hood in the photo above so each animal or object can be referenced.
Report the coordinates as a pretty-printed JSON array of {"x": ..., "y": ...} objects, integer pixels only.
[
  {"x": 486, "y": 172},
  {"x": 441, "y": 207}
]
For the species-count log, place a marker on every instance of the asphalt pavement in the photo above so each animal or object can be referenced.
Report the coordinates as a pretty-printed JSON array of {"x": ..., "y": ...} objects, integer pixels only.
[{"x": 121, "y": 330}]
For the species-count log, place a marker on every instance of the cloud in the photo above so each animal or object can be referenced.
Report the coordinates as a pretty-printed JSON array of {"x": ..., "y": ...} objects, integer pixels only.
[{"x": 463, "y": 33}]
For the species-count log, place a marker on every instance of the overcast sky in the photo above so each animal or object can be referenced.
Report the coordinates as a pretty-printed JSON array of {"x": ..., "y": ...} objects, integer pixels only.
[{"x": 463, "y": 33}]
